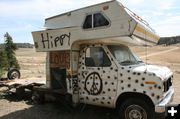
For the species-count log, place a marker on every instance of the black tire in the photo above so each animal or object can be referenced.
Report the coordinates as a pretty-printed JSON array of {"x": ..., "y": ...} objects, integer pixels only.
[
  {"x": 13, "y": 74},
  {"x": 136, "y": 109}
]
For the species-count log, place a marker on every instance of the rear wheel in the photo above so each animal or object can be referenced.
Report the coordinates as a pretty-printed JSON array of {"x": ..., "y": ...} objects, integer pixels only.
[{"x": 136, "y": 109}]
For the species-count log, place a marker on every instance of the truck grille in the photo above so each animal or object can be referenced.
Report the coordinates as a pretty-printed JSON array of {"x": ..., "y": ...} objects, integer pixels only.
[{"x": 167, "y": 84}]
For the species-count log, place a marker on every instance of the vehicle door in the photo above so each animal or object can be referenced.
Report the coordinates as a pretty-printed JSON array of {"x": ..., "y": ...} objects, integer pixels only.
[{"x": 97, "y": 76}]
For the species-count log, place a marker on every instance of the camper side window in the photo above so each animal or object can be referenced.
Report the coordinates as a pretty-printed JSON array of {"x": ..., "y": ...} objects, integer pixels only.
[
  {"x": 96, "y": 57},
  {"x": 94, "y": 21},
  {"x": 100, "y": 20},
  {"x": 88, "y": 22}
]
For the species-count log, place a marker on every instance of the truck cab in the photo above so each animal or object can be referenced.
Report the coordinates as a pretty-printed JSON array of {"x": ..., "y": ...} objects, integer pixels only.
[{"x": 89, "y": 59}]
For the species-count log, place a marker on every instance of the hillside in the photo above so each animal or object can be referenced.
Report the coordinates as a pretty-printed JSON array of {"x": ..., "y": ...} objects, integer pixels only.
[
  {"x": 169, "y": 40},
  {"x": 20, "y": 45}
]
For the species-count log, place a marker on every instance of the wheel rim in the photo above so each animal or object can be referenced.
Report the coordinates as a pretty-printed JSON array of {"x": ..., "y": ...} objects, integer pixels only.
[
  {"x": 15, "y": 75},
  {"x": 135, "y": 112}
]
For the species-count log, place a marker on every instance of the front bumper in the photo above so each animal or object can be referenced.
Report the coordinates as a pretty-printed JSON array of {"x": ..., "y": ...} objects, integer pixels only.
[{"x": 161, "y": 107}]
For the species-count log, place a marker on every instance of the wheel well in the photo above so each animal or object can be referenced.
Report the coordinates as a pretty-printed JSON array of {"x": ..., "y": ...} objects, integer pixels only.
[{"x": 127, "y": 95}]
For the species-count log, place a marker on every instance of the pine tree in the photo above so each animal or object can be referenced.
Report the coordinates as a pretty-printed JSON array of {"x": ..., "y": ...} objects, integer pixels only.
[
  {"x": 9, "y": 50},
  {"x": 3, "y": 62}
]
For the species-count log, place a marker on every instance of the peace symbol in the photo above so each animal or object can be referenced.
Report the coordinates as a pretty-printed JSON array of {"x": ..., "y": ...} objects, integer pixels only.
[{"x": 93, "y": 84}]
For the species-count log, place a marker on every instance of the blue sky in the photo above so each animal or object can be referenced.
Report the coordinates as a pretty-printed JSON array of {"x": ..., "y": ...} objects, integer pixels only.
[{"x": 21, "y": 17}]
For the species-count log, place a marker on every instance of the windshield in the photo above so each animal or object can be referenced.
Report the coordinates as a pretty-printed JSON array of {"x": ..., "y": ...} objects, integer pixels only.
[{"x": 123, "y": 55}]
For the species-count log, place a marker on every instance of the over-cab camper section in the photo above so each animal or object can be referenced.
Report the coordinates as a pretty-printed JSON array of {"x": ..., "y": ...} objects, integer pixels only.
[{"x": 106, "y": 21}]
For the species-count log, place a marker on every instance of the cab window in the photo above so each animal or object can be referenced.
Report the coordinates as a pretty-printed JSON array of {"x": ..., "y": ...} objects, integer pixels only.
[{"x": 96, "y": 57}]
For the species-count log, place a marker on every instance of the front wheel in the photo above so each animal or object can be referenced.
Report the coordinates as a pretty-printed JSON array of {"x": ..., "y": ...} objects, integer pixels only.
[{"x": 136, "y": 109}]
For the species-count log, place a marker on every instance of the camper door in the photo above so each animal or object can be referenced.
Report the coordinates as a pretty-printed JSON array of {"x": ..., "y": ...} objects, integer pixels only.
[{"x": 59, "y": 64}]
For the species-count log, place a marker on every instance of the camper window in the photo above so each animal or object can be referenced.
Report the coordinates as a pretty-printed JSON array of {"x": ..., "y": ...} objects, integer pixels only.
[
  {"x": 88, "y": 22},
  {"x": 96, "y": 57},
  {"x": 100, "y": 20},
  {"x": 94, "y": 21}
]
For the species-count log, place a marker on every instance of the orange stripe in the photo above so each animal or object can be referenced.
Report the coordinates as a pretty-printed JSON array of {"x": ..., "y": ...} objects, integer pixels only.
[
  {"x": 142, "y": 30},
  {"x": 150, "y": 82}
]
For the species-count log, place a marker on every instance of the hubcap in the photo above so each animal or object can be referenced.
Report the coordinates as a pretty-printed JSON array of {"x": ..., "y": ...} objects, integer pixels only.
[
  {"x": 14, "y": 75},
  {"x": 135, "y": 112}
]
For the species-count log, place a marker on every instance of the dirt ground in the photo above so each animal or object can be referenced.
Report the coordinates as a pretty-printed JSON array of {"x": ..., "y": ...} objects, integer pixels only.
[{"x": 33, "y": 66}]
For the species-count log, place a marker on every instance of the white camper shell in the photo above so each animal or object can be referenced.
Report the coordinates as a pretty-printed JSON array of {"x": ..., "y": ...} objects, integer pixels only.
[
  {"x": 107, "y": 22},
  {"x": 88, "y": 58}
]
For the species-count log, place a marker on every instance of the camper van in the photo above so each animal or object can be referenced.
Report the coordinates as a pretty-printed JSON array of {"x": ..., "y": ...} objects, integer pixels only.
[{"x": 88, "y": 58}]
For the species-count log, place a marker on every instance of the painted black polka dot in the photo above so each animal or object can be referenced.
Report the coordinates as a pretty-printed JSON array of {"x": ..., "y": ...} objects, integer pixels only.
[
  {"x": 134, "y": 90},
  {"x": 108, "y": 77},
  {"x": 129, "y": 78},
  {"x": 122, "y": 88},
  {"x": 155, "y": 86},
  {"x": 158, "y": 97},
  {"x": 134, "y": 73},
  {"x": 87, "y": 98},
  {"x": 110, "y": 98},
  {"x": 104, "y": 92},
  {"x": 103, "y": 98},
  {"x": 152, "y": 94},
  {"x": 111, "y": 68},
  {"x": 108, "y": 102},
  {"x": 122, "y": 67},
  {"x": 129, "y": 85},
  {"x": 136, "y": 81},
  {"x": 116, "y": 70},
  {"x": 138, "y": 73},
  {"x": 121, "y": 74},
  {"x": 144, "y": 92},
  {"x": 159, "y": 87},
  {"x": 109, "y": 89},
  {"x": 143, "y": 78},
  {"x": 106, "y": 83},
  {"x": 122, "y": 81},
  {"x": 102, "y": 102},
  {"x": 115, "y": 77},
  {"x": 104, "y": 71},
  {"x": 112, "y": 83},
  {"x": 114, "y": 90},
  {"x": 142, "y": 84},
  {"x": 128, "y": 71}
]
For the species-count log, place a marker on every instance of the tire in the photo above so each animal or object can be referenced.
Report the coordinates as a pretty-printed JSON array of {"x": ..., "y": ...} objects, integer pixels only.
[
  {"x": 13, "y": 74},
  {"x": 136, "y": 109}
]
